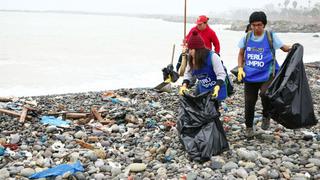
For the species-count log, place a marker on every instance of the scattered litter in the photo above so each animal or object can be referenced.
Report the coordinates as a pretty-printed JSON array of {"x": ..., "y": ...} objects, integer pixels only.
[
  {"x": 51, "y": 120},
  {"x": 59, "y": 170}
]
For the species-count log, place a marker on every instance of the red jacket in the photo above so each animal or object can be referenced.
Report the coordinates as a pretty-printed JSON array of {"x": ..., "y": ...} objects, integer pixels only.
[{"x": 208, "y": 36}]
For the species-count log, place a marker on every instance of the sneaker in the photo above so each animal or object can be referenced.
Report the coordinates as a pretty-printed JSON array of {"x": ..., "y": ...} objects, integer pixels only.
[
  {"x": 249, "y": 132},
  {"x": 265, "y": 123}
]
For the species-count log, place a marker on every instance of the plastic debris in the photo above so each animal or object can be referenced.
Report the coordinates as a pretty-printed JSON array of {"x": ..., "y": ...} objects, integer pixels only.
[
  {"x": 2, "y": 150},
  {"x": 151, "y": 123},
  {"x": 59, "y": 170},
  {"x": 12, "y": 147},
  {"x": 51, "y": 120},
  {"x": 57, "y": 146}
]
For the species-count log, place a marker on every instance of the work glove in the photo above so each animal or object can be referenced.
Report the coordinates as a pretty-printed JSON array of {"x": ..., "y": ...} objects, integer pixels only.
[
  {"x": 241, "y": 74},
  {"x": 182, "y": 90},
  {"x": 168, "y": 80},
  {"x": 216, "y": 91}
]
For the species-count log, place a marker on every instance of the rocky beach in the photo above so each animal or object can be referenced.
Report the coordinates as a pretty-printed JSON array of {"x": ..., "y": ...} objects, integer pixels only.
[{"x": 131, "y": 134}]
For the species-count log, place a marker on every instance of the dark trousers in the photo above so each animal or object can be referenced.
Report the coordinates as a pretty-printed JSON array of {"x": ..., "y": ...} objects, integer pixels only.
[{"x": 251, "y": 91}]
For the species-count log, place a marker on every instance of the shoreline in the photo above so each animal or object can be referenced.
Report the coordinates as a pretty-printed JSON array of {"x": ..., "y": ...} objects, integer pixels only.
[
  {"x": 236, "y": 25},
  {"x": 113, "y": 129}
]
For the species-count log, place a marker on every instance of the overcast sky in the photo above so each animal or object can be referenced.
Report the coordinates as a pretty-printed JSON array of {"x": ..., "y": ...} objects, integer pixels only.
[{"x": 195, "y": 7}]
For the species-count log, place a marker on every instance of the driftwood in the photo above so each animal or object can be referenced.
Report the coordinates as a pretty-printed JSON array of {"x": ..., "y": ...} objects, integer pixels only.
[
  {"x": 96, "y": 114},
  {"x": 76, "y": 115},
  {"x": 313, "y": 66},
  {"x": 23, "y": 114},
  {"x": 69, "y": 115},
  {"x": 5, "y": 99},
  {"x": 84, "y": 144},
  {"x": 11, "y": 113}
]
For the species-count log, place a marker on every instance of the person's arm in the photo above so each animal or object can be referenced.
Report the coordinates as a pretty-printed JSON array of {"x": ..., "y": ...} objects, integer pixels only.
[
  {"x": 187, "y": 76},
  {"x": 215, "y": 42},
  {"x": 286, "y": 48},
  {"x": 240, "y": 57},
  {"x": 278, "y": 44},
  {"x": 218, "y": 69}
]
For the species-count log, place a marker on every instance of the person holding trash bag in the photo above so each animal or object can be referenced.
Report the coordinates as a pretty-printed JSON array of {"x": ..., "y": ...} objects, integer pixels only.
[
  {"x": 207, "y": 67},
  {"x": 257, "y": 67}
]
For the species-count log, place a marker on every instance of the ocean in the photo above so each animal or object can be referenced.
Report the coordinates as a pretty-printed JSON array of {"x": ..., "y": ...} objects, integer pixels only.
[{"x": 54, "y": 53}]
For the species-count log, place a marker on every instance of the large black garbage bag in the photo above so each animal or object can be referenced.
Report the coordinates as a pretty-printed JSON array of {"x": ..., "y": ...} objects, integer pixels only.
[
  {"x": 289, "y": 95},
  {"x": 199, "y": 127}
]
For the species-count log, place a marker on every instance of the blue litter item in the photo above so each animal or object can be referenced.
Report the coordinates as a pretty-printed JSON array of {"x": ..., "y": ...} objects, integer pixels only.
[
  {"x": 59, "y": 170},
  {"x": 51, "y": 120},
  {"x": 2, "y": 151}
]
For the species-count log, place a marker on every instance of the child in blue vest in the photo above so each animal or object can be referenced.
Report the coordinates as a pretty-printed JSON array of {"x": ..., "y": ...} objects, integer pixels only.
[
  {"x": 257, "y": 67},
  {"x": 206, "y": 66}
]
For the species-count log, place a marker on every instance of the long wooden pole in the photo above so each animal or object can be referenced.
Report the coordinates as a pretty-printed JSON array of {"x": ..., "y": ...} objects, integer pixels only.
[
  {"x": 184, "y": 57},
  {"x": 185, "y": 20},
  {"x": 173, "y": 49}
]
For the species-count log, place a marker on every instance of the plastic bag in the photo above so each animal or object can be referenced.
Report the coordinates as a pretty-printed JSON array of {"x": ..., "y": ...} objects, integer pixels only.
[
  {"x": 289, "y": 95},
  {"x": 229, "y": 84},
  {"x": 59, "y": 170},
  {"x": 200, "y": 130},
  {"x": 51, "y": 120}
]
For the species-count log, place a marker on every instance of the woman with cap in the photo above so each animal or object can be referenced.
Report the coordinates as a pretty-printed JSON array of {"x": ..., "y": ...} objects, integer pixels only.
[{"x": 206, "y": 66}]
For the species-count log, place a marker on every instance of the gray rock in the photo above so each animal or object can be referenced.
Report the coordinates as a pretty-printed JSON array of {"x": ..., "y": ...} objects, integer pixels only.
[
  {"x": 252, "y": 177},
  {"x": 26, "y": 172},
  {"x": 99, "y": 163},
  {"x": 14, "y": 138},
  {"x": 79, "y": 176},
  {"x": 105, "y": 168},
  {"x": 115, "y": 128},
  {"x": 99, "y": 176},
  {"x": 273, "y": 173},
  {"x": 80, "y": 135},
  {"x": 247, "y": 155},
  {"x": 290, "y": 165},
  {"x": 264, "y": 160},
  {"x": 51, "y": 129},
  {"x": 4, "y": 173},
  {"x": 216, "y": 165},
  {"x": 241, "y": 172},
  {"x": 228, "y": 166},
  {"x": 315, "y": 161},
  {"x": 115, "y": 171},
  {"x": 192, "y": 176}
]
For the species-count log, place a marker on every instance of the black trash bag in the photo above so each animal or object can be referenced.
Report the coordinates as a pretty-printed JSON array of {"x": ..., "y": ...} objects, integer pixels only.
[
  {"x": 170, "y": 71},
  {"x": 289, "y": 96},
  {"x": 229, "y": 84},
  {"x": 200, "y": 130},
  {"x": 235, "y": 71}
]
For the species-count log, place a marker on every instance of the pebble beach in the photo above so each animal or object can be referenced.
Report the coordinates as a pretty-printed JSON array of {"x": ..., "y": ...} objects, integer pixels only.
[{"x": 131, "y": 134}]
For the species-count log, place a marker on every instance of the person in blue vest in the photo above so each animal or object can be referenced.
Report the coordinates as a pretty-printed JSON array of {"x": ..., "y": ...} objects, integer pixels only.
[
  {"x": 206, "y": 66},
  {"x": 257, "y": 67}
]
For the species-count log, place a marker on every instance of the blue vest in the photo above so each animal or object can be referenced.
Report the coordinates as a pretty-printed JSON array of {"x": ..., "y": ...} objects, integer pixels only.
[
  {"x": 207, "y": 79},
  {"x": 258, "y": 61}
]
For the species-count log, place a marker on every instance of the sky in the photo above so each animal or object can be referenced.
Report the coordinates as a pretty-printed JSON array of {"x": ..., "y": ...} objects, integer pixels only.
[{"x": 194, "y": 7}]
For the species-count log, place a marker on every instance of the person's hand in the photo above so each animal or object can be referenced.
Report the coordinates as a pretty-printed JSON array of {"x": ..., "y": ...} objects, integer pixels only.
[
  {"x": 168, "y": 80},
  {"x": 241, "y": 74},
  {"x": 216, "y": 91},
  {"x": 183, "y": 89}
]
